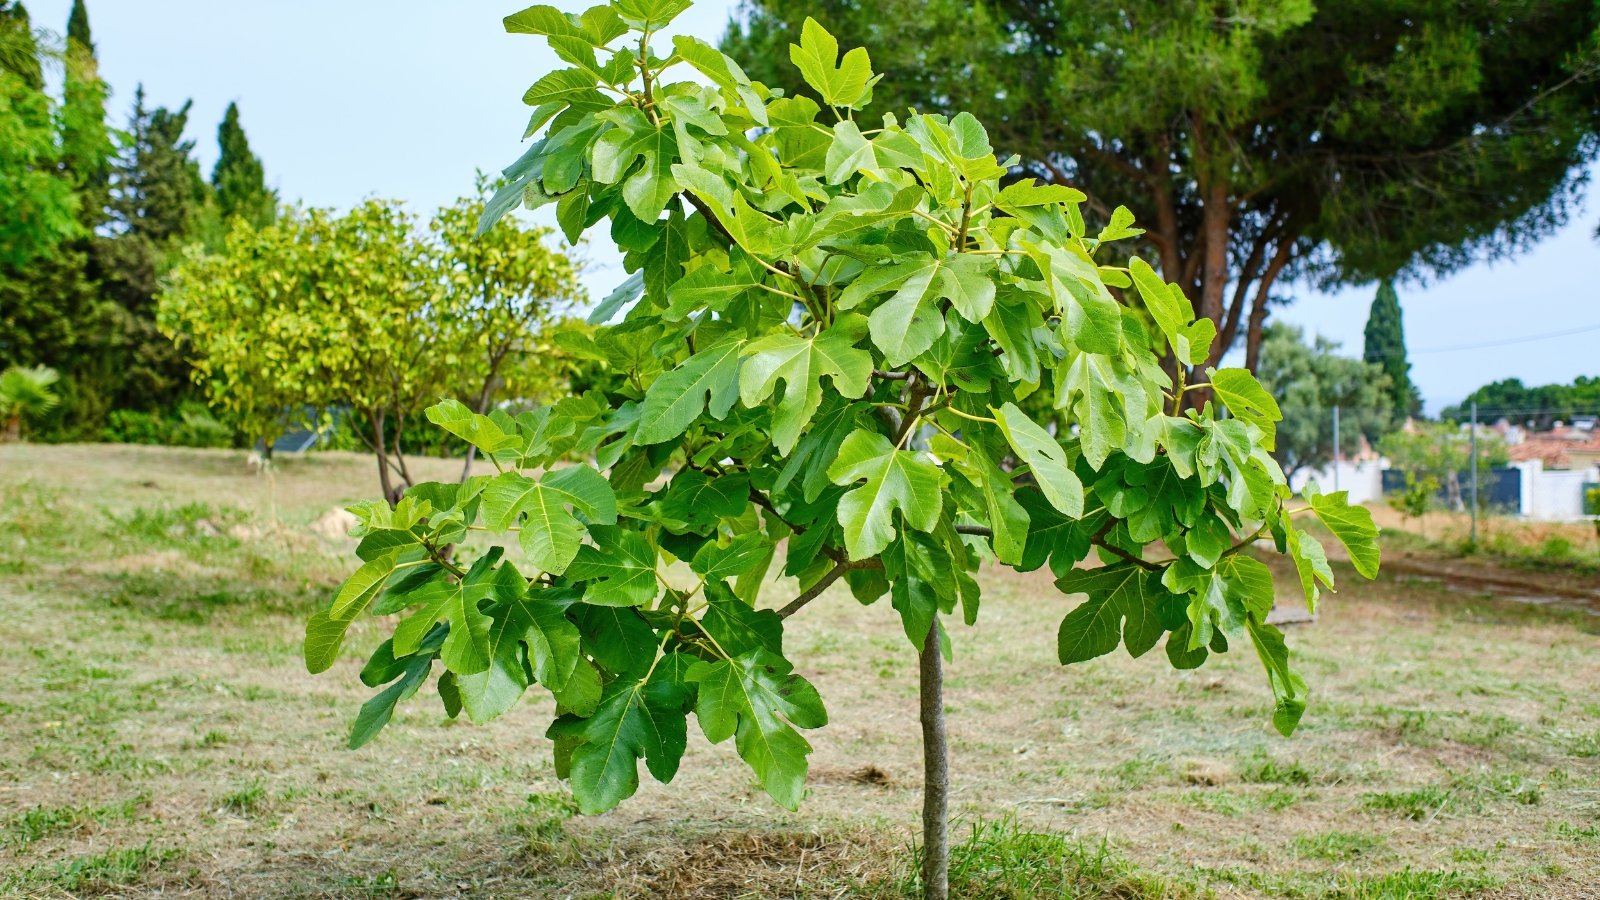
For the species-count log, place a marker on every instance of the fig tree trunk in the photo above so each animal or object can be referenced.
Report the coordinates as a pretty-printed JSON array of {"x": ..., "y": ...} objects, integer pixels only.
[{"x": 935, "y": 773}]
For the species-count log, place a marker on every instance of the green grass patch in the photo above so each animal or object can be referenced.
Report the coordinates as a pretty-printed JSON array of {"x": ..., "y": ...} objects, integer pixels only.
[
  {"x": 44, "y": 821},
  {"x": 1000, "y": 860},
  {"x": 1418, "y": 804},
  {"x": 98, "y": 872},
  {"x": 247, "y": 800},
  {"x": 1337, "y": 846},
  {"x": 1402, "y": 884},
  {"x": 1262, "y": 768}
]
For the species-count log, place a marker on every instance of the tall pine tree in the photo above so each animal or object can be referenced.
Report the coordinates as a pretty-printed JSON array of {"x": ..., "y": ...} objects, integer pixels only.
[
  {"x": 86, "y": 148},
  {"x": 239, "y": 179},
  {"x": 1386, "y": 346},
  {"x": 158, "y": 204}
]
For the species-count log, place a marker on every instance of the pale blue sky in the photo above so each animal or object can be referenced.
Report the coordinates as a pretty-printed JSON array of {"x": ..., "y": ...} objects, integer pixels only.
[{"x": 349, "y": 98}]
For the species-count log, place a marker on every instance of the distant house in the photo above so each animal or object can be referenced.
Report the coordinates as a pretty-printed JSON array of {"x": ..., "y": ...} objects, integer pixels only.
[
  {"x": 1558, "y": 466},
  {"x": 1562, "y": 448}
]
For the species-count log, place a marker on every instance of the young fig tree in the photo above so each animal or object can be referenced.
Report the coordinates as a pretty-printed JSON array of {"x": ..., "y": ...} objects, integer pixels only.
[{"x": 829, "y": 340}]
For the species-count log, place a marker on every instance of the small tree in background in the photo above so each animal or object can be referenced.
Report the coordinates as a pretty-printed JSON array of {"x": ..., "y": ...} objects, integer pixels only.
[
  {"x": 1308, "y": 381},
  {"x": 1443, "y": 451},
  {"x": 1417, "y": 497},
  {"x": 321, "y": 311},
  {"x": 25, "y": 393},
  {"x": 822, "y": 348}
]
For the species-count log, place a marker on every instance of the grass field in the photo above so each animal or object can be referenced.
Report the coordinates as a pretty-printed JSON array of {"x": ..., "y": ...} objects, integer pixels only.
[{"x": 162, "y": 736}]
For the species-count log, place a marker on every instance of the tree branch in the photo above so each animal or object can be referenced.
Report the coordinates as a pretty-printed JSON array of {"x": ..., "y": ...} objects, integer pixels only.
[
  {"x": 823, "y": 584},
  {"x": 1099, "y": 540},
  {"x": 762, "y": 501}
]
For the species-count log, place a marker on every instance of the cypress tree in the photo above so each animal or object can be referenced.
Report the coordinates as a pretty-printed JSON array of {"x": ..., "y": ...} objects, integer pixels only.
[
  {"x": 78, "y": 26},
  {"x": 19, "y": 54},
  {"x": 86, "y": 147},
  {"x": 239, "y": 179},
  {"x": 1386, "y": 346}
]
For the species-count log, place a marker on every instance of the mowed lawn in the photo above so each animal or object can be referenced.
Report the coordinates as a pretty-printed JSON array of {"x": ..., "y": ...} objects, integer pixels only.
[{"x": 159, "y": 734}]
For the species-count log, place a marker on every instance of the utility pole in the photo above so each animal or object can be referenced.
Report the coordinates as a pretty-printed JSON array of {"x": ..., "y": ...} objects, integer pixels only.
[
  {"x": 1338, "y": 452},
  {"x": 1474, "y": 538}
]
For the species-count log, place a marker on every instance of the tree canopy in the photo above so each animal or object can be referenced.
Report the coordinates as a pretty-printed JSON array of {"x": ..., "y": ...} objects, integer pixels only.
[
  {"x": 1343, "y": 140},
  {"x": 1539, "y": 406},
  {"x": 1309, "y": 380},
  {"x": 38, "y": 207},
  {"x": 822, "y": 343},
  {"x": 327, "y": 310}
]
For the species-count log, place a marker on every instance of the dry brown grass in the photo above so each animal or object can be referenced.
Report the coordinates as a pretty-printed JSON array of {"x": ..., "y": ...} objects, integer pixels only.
[{"x": 161, "y": 735}]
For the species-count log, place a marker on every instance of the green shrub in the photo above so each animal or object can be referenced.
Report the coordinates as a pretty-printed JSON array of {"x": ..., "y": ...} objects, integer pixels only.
[{"x": 190, "y": 425}]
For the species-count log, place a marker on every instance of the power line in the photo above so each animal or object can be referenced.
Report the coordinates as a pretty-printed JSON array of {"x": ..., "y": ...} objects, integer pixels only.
[
  {"x": 1482, "y": 345},
  {"x": 1508, "y": 341}
]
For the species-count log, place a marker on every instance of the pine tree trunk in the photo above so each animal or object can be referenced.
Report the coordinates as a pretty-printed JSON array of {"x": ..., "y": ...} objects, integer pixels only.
[{"x": 935, "y": 773}]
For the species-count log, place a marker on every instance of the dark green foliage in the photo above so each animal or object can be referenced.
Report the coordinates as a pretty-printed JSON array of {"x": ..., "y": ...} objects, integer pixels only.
[
  {"x": 239, "y": 179},
  {"x": 1309, "y": 380},
  {"x": 158, "y": 201},
  {"x": 1539, "y": 407},
  {"x": 78, "y": 26},
  {"x": 191, "y": 425},
  {"x": 1386, "y": 347},
  {"x": 1346, "y": 139}
]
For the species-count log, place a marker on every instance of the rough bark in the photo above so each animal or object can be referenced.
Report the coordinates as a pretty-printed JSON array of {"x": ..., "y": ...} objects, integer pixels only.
[
  {"x": 1229, "y": 331},
  {"x": 1258, "y": 311},
  {"x": 1214, "y": 269},
  {"x": 935, "y": 773}
]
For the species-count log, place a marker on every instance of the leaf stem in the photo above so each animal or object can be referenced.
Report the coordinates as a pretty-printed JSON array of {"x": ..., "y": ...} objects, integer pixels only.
[
  {"x": 948, "y": 228},
  {"x": 966, "y": 415}
]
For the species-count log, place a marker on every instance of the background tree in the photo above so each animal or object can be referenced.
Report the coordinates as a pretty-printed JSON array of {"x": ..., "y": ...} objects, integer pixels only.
[
  {"x": 158, "y": 200},
  {"x": 1342, "y": 140},
  {"x": 504, "y": 290},
  {"x": 87, "y": 149},
  {"x": 1537, "y": 407},
  {"x": 38, "y": 209},
  {"x": 20, "y": 54},
  {"x": 238, "y": 178},
  {"x": 323, "y": 311},
  {"x": 1442, "y": 451},
  {"x": 1386, "y": 347},
  {"x": 821, "y": 345},
  {"x": 1308, "y": 381},
  {"x": 48, "y": 304}
]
